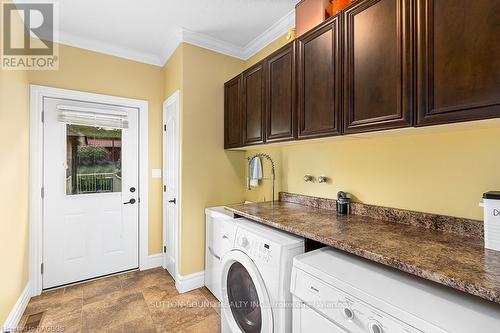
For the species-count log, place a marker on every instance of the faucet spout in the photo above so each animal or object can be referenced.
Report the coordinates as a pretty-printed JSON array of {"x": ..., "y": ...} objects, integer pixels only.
[{"x": 273, "y": 171}]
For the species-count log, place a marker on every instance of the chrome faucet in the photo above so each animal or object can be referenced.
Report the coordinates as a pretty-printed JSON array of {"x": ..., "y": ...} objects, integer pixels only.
[{"x": 273, "y": 174}]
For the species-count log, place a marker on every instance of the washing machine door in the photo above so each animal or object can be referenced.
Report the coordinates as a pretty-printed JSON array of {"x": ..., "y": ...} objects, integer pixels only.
[{"x": 246, "y": 306}]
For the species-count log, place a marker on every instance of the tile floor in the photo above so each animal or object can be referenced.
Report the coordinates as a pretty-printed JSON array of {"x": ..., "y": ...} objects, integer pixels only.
[{"x": 132, "y": 302}]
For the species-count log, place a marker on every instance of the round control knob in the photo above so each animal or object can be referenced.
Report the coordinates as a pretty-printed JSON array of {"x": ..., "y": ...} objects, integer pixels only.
[
  {"x": 348, "y": 313},
  {"x": 375, "y": 327},
  {"x": 244, "y": 242}
]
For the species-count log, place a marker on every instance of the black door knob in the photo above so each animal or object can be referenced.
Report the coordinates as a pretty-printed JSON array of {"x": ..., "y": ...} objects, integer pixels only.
[
  {"x": 172, "y": 201},
  {"x": 131, "y": 201}
]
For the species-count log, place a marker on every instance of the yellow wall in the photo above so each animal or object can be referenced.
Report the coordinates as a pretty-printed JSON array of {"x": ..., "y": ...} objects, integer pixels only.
[
  {"x": 173, "y": 72},
  {"x": 443, "y": 170},
  {"x": 14, "y": 170},
  {"x": 210, "y": 176},
  {"x": 99, "y": 73}
]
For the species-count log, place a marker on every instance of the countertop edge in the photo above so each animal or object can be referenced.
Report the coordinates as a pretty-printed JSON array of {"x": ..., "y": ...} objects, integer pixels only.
[{"x": 412, "y": 269}]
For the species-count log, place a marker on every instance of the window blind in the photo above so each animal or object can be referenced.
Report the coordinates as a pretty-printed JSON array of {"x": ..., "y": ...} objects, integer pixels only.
[{"x": 77, "y": 115}]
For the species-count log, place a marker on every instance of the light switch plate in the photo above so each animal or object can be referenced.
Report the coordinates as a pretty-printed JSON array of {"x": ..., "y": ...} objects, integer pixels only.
[{"x": 156, "y": 173}]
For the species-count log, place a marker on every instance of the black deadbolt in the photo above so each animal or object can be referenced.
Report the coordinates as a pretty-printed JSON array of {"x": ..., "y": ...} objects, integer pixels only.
[{"x": 132, "y": 189}]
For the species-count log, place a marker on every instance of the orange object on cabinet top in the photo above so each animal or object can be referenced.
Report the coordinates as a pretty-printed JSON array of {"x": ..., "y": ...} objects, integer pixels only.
[
  {"x": 310, "y": 13},
  {"x": 338, "y": 5}
]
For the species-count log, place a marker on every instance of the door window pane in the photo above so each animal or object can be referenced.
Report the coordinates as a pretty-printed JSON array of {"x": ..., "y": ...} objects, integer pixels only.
[{"x": 93, "y": 162}]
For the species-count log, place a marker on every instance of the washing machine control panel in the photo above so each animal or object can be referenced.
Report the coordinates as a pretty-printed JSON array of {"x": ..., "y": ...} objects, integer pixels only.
[{"x": 254, "y": 246}]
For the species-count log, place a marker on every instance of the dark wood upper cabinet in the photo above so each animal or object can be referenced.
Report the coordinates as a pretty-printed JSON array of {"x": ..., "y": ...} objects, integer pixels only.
[
  {"x": 232, "y": 113},
  {"x": 378, "y": 65},
  {"x": 458, "y": 60},
  {"x": 281, "y": 115},
  {"x": 318, "y": 78},
  {"x": 253, "y": 105}
]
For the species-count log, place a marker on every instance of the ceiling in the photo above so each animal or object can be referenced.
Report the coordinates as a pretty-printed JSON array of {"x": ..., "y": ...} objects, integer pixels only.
[{"x": 150, "y": 30}]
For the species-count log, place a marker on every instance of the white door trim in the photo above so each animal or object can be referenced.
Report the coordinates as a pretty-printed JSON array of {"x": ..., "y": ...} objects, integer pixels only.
[
  {"x": 173, "y": 268},
  {"x": 37, "y": 94}
]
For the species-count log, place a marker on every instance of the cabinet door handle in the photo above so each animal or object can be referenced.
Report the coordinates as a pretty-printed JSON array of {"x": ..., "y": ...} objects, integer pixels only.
[{"x": 212, "y": 253}]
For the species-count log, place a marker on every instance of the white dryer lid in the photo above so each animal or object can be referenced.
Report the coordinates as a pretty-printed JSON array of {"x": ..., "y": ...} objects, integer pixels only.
[
  {"x": 442, "y": 306},
  {"x": 219, "y": 212}
]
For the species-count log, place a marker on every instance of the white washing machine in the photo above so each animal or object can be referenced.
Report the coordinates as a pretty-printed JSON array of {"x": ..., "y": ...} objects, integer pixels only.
[
  {"x": 256, "y": 280},
  {"x": 220, "y": 230},
  {"x": 339, "y": 292}
]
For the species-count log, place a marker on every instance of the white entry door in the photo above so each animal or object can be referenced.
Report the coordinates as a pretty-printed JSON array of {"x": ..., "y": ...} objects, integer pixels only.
[
  {"x": 170, "y": 181},
  {"x": 90, "y": 205}
]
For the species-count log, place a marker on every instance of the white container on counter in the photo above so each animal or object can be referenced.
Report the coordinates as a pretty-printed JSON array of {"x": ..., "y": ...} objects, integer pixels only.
[{"x": 491, "y": 204}]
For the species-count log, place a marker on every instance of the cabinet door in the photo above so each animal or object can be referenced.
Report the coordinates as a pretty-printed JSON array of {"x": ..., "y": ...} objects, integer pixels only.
[
  {"x": 319, "y": 81},
  {"x": 458, "y": 60},
  {"x": 281, "y": 113},
  {"x": 378, "y": 65},
  {"x": 253, "y": 105},
  {"x": 232, "y": 114}
]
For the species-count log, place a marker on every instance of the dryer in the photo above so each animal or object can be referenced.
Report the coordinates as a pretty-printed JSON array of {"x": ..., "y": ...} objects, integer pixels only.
[
  {"x": 338, "y": 292},
  {"x": 255, "y": 280}
]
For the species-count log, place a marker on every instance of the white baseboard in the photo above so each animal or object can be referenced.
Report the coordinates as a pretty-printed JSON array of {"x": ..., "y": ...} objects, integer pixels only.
[
  {"x": 169, "y": 264},
  {"x": 154, "y": 260},
  {"x": 185, "y": 283},
  {"x": 17, "y": 311}
]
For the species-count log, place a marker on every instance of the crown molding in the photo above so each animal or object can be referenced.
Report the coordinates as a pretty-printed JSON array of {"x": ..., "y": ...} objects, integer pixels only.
[
  {"x": 270, "y": 35},
  {"x": 106, "y": 48},
  {"x": 179, "y": 36},
  {"x": 211, "y": 43},
  {"x": 275, "y": 31}
]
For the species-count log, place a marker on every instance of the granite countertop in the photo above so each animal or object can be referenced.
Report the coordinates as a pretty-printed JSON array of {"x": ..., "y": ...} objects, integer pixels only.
[{"x": 450, "y": 259}]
